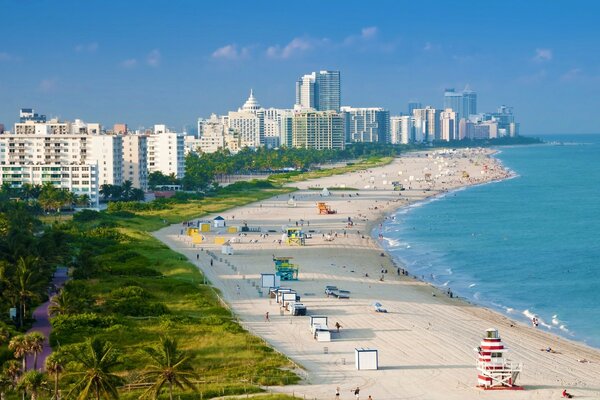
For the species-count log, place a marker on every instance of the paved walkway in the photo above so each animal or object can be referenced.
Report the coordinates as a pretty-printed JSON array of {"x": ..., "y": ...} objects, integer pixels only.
[{"x": 42, "y": 319}]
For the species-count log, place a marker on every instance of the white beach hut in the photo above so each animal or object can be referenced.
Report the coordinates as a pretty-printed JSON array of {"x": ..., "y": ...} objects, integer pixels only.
[
  {"x": 219, "y": 222},
  {"x": 325, "y": 192}
]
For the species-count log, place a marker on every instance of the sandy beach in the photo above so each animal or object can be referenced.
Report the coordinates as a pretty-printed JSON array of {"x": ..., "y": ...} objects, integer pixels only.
[{"x": 426, "y": 341}]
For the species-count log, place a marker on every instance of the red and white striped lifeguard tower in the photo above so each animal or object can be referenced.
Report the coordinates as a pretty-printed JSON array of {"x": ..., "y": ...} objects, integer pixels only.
[{"x": 494, "y": 370}]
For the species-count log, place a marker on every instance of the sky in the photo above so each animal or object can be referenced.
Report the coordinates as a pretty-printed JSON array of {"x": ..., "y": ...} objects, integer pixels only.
[{"x": 168, "y": 61}]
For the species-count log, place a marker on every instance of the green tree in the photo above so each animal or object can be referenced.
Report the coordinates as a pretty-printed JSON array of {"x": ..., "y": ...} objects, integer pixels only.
[
  {"x": 54, "y": 366},
  {"x": 97, "y": 360},
  {"x": 62, "y": 303},
  {"x": 27, "y": 281},
  {"x": 36, "y": 345},
  {"x": 20, "y": 348},
  {"x": 169, "y": 368},
  {"x": 33, "y": 382}
]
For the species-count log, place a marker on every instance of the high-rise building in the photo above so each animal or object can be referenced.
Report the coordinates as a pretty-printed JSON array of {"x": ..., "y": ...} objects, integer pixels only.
[
  {"x": 76, "y": 156},
  {"x": 135, "y": 162},
  {"x": 449, "y": 125},
  {"x": 402, "y": 129},
  {"x": 107, "y": 151},
  {"x": 412, "y": 105},
  {"x": 318, "y": 130},
  {"x": 249, "y": 123},
  {"x": 506, "y": 121},
  {"x": 366, "y": 124},
  {"x": 427, "y": 124},
  {"x": 463, "y": 103},
  {"x": 1, "y": 129},
  {"x": 166, "y": 152},
  {"x": 319, "y": 90}
]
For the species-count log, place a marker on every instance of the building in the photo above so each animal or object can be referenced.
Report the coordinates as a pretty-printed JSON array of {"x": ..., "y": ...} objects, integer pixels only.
[
  {"x": 318, "y": 130},
  {"x": 319, "y": 91},
  {"x": 248, "y": 122},
  {"x": 449, "y": 125},
  {"x": 413, "y": 105},
  {"x": 366, "y": 124},
  {"x": 1, "y": 129},
  {"x": 402, "y": 129},
  {"x": 135, "y": 161},
  {"x": 107, "y": 152},
  {"x": 506, "y": 121},
  {"x": 28, "y": 114},
  {"x": 427, "y": 124},
  {"x": 463, "y": 103},
  {"x": 166, "y": 152},
  {"x": 120, "y": 129},
  {"x": 69, "y": 155}
]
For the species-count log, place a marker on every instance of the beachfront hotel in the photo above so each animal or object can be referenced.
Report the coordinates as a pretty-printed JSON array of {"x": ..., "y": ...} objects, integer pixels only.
[{"x": 318, "y": 130}]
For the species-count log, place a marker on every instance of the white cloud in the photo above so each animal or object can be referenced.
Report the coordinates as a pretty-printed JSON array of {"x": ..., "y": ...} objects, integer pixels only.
[
  {"x": 293, "y": 48},
  {"x": 129, "y": 63},
  {"x": 48, "y": 85},
  {"x": 369, "y": 32},
  {"x": 572, "y": 74},
  {"x": 230, "y": 52},
  {"x": 153, "y": 58},
  {"x": 87, "y": 47},
  {"x": 542, "y": 55}
]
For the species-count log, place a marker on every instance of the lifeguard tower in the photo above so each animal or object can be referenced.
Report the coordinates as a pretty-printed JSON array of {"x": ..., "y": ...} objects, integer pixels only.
[
  {"x": 324, "y": 208},
  {"x": 494, "y": 370},
  {"x": 285, "y": 269},
  {"x": 295, "y": 237}
]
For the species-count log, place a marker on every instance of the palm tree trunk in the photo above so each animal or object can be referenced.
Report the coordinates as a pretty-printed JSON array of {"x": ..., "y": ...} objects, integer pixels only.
[
  {"x": 24, "y": 363},
  {"x": 35, "y": 357},
  {"x": 55, "y": 386},
  {"x": 171, "y": 390}
]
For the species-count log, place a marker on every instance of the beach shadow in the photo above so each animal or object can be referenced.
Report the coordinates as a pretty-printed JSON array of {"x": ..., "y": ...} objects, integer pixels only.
[
  {"x": 352, "y": 334},
  {"x": 325, "y": 311},
  {"x": 407, "y": 367}
]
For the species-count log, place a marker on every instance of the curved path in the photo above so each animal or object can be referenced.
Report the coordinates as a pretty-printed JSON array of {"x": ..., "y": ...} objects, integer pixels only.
[{"x": 42, "y": 319}]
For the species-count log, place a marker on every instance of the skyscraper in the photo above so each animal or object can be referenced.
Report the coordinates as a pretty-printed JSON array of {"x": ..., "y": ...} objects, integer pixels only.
[
  {"x": 412, "y": 105},
  {"x": 318, "y": 130},
  {"x": 463, "y": 103},
  {"x": 427, "y": 124},
  {"x": 366, "y": 124},
  {"x": 319, "y": 91},
  {"x": 449, "y": 125}
]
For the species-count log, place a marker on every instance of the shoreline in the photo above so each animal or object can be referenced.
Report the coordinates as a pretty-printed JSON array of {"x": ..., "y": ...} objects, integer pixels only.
[{"x": 449, "y": 327}]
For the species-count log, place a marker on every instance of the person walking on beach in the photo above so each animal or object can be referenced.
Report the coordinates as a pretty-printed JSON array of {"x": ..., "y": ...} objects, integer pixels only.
[
  {"x": 357, "y": 392},
  {"x": 267, "y": 317},
  {"x": 337, "y": 392},
  {"x": 337, "y": 327}
]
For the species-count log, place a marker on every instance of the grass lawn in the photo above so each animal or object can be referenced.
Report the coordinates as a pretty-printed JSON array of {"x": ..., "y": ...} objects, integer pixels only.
[{"x": 138, "y": 289}]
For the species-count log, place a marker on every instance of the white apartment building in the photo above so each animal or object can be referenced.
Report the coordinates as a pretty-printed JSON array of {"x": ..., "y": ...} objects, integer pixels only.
[
  {"x": 366, "y": 124},
  {"x": 402, "y": 129},
  {"x": 449, "y": 125},
  {"x": 61, "y": 153},
  {"x": 427, "y": 124},
  {"x": 166, "y": 152},
  {"x": 107, "y": 152},
  {"x": 248, "y": 122},
  {"x": 135, "y": 163}
]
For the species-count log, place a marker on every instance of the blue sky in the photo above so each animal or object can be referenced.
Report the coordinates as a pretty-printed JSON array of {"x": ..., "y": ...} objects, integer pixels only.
[{"x": 146, "y": 62}]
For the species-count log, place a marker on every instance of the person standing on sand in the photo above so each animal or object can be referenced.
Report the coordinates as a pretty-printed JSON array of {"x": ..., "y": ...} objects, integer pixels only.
[
  {"x": 337, "y": 392},
  {"x": 357, "y": 392},
  {"x": 267, "y": 317}
]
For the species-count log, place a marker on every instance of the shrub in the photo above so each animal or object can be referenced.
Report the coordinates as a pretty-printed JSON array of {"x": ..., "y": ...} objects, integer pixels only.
[{"x": 86, "y": 216}]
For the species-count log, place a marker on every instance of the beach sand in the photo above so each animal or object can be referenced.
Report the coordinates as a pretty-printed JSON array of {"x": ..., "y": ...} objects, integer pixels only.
[{"x": 426, "y": 340}]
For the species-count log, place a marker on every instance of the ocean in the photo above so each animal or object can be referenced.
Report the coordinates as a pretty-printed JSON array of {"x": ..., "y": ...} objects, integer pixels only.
[{"x": 525, "y": 246}]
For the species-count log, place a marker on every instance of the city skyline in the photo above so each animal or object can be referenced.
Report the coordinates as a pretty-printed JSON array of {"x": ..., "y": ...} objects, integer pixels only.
[{"x": 165, "y": 65}]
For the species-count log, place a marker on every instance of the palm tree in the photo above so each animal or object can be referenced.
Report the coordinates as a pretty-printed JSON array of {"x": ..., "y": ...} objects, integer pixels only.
[
  {"x": 36, "y": 345},
  {"x": 25, "y": 282},
  {"x": 62, "y": 303},
  {"x": 4, "y": 335},
  {"x": 126, "y": 190},
  {"x": 54, "y": 366},
  {"x": 12, "y": 369},
  {"x": 33, "y": 382},
  {"x": 20, "y": 348},
  {"x": 97, "y": 359},
  {"x": 5, "y": 384},
  {"x": 169, "y": 368}
]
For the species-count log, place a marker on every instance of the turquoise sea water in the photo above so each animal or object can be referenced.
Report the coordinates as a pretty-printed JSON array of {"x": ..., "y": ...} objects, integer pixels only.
[{"x": 524, "y": 246}]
